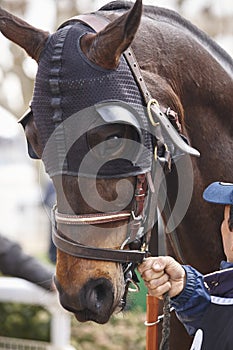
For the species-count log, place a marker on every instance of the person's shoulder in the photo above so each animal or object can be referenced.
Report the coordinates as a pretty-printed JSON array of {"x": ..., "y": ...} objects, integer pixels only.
[
  {"x": 226, "y": 272},
  {"x": 219, "y": 283}
]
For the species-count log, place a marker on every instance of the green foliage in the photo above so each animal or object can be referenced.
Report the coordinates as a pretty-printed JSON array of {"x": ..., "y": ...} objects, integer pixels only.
[
  {"x": 138, "y": 300},
  {"x": 24, "y": 321}
]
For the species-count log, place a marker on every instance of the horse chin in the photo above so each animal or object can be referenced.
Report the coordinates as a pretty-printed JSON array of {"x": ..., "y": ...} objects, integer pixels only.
[
  {"x": 100, "y": 318},
  {"x": 86, "y": 315}
]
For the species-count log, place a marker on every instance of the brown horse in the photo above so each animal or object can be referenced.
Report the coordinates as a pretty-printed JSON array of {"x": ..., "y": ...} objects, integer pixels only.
[{"x": 184, "y": 70}]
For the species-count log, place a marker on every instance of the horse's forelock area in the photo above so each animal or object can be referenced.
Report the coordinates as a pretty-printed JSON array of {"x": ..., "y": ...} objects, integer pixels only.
[{"x": 161, "y": 14}]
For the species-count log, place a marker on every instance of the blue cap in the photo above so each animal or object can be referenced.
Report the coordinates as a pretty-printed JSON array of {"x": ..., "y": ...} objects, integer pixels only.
[{"x": 219, "y": 192}]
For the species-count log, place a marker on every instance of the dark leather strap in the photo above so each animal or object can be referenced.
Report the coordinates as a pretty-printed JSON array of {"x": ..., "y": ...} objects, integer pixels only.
[
  {"x": 87, "y": 252},
  {"x": 64, "y": 241}
]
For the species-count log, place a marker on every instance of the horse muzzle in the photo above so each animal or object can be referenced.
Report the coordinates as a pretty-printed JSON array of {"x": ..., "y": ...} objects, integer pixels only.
[{"x": 94, "y": 301}]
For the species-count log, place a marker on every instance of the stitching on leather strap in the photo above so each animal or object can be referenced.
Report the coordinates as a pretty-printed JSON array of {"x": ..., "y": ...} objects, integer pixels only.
[{"x": 98, "y": 218}]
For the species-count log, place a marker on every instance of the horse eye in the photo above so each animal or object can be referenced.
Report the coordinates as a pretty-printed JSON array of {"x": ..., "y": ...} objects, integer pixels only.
[
  {"x": 107, "y": 141},
  {"x": 113, "y": 142},
  {"x": 109, "y": 147}
]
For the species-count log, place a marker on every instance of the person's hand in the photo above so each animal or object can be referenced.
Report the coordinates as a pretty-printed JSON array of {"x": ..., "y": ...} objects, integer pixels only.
[{"x": 162, "y": 274}]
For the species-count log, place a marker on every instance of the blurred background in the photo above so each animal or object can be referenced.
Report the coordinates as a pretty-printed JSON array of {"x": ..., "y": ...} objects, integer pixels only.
[{"x": 23, "y": 183}]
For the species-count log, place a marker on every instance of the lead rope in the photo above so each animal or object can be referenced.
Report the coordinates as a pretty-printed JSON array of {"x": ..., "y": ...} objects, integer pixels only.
[{"x": 164, "y": 345}]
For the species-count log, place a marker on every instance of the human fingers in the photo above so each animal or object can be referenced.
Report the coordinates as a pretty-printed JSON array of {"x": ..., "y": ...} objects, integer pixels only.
[
  {"x": 152, "y": 262},
  {"x": 174, "y": 270},
  {"x": 153, "y": 269},
  {"x": 163, "y": 263},
  {"x": 151, "y": 274},
  {"x": 157, "y": 287}
]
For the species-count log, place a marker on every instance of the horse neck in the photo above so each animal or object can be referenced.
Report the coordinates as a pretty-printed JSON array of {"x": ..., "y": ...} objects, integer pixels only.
[{"x": 176, "y": 62}]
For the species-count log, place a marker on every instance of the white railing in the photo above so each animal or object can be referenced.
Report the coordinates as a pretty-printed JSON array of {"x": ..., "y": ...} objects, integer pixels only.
[{"x": 17, "y": 290}]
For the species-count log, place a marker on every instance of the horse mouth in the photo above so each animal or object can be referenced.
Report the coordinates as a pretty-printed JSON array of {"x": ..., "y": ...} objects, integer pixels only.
[
  {"x": 87, "y": 315},
  {"x": 94, "y": 302},
  {"x": 100, "y": 318}
]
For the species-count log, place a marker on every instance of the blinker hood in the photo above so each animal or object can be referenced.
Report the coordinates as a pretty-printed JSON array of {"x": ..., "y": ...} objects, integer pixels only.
[
  {"x": 105, "y": 140},
  {"x": 73, "y": 96},
  {"x": 127, "y": 156},
  {"x": 23, "y": 121}
]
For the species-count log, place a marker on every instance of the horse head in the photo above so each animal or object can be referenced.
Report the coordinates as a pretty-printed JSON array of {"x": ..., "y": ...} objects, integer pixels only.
[
  {"x": 88, "y": 124},
  {"x": 81, "y": 106}
]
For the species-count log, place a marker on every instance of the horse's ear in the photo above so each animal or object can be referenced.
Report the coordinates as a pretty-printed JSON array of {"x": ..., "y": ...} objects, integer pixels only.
[
  {"x": 23, "y": 34},
  {"x": 106, "y": 47}
]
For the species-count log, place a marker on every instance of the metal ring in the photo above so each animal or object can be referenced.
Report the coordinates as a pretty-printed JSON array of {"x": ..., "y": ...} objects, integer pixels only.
[
  {"x": 150, "y": 324},
  {"x": 152, "y": 101},
  {"x": 133, "y": 290},
  {"x": 159, "y": 319}
]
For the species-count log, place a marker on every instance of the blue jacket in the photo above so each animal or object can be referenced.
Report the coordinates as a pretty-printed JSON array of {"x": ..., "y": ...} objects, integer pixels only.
[{"x": 196, "y": 298}]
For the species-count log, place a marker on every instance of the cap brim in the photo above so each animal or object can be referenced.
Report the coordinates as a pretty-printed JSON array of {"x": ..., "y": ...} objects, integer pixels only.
[{"x": 219, "y": 192}]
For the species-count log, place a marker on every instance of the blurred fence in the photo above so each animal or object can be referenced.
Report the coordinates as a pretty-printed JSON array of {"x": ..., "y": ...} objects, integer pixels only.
[{"x": 17, "y": 290}]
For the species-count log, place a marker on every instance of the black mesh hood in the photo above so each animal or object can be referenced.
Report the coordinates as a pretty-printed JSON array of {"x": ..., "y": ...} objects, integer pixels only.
[{"x": 67, "y": 83}]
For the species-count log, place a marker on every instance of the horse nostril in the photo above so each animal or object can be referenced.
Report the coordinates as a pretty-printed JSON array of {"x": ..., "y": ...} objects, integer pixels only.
[
  {"x": 94, "y": 302},
  {"x": 98, "y": 295}
]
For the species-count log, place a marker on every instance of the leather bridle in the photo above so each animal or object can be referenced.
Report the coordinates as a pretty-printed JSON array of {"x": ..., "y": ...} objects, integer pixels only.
[{"x": 136, "y": 220}]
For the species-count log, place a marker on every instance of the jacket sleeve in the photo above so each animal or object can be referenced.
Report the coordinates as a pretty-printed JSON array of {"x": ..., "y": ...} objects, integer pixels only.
[
  {"x": 191, "y": 304},
  {"x": 14, "y": 262}
]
